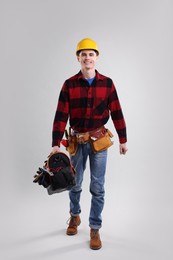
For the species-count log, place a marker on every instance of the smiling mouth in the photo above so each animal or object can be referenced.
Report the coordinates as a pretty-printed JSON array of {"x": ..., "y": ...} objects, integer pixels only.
[{"x": 87, "y": 62}]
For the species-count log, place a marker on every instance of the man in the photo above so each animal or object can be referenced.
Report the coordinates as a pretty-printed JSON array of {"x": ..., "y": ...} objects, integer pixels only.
[{"x": 87, "y": 99}]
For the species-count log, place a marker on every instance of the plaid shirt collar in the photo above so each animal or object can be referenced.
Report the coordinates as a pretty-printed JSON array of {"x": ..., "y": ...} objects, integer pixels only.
[{"x": 98, "y": 76}]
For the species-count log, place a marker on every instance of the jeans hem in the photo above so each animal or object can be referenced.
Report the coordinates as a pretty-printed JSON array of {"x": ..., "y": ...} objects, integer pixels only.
[
  {"x": 95, "y": 226},
  {"x": 74, "y": 215}
]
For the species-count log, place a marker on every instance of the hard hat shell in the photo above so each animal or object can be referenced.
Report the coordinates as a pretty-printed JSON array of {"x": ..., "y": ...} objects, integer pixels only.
[{"x": 87, "y": 44}]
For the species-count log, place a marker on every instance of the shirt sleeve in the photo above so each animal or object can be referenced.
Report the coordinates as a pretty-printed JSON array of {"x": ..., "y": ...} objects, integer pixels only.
[
  {"x": 117, "y": 114},
  {"x": 61, "y": 116}
]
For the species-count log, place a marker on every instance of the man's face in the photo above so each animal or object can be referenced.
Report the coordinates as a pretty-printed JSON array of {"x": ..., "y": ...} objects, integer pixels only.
[{"x": 87, "y": 59}]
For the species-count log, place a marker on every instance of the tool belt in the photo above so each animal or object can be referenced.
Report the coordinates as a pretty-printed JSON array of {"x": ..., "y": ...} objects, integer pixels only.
[{"x": 100, "y": 139}]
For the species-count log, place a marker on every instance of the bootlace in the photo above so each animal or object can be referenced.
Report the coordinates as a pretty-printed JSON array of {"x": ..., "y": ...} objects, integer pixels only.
[
  {"x": 71, "y": 221},
  {"x": 94, "y": 233}
]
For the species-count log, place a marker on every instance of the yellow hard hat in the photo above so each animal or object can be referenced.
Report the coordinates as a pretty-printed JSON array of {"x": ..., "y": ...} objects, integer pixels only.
[{"x": 87, "y": 44}]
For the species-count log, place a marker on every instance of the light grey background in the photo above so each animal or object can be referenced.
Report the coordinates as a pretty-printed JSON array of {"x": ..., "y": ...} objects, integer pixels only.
[{"x": 37, "y": 53}]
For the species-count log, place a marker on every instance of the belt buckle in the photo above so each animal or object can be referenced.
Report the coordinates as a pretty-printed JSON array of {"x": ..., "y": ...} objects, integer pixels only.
[{"x": 80, "y": 138}]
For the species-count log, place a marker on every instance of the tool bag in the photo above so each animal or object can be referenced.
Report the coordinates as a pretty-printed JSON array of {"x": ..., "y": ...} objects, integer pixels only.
[{"x": 57, "y": 174}]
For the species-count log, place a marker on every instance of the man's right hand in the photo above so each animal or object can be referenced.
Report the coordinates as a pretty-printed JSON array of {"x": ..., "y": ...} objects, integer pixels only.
[{"x": 56, "y": 149}]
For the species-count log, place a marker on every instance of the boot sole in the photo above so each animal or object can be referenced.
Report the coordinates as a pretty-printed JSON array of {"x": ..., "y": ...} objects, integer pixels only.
[
  {"x": 95, "y": 248},
  {"x": 71, "y": 234}
]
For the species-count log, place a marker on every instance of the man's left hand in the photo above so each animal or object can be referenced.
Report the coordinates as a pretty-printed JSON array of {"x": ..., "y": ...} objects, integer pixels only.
[{"x": 123, "y": 148}]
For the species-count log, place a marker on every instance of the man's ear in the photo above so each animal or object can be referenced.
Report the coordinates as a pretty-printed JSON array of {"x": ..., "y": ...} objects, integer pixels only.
[{"x": 78, "y": 58}]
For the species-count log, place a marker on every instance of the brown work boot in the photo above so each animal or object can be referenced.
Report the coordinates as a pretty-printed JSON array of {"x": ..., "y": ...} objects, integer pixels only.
[
  {"x": 95, "y": 242},
  {"x": 74, "y": 222}
]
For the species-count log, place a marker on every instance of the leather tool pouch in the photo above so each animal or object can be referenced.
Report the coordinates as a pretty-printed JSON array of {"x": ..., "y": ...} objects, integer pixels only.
[
  {"x": 72, "y": 142},
  {"x": 72, "y": 145},
  {"x": 102, "y": 143}
]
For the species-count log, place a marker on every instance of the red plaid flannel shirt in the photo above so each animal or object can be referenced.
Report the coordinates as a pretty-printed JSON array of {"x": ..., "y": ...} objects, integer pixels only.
[{"x": 88, "y": 107}]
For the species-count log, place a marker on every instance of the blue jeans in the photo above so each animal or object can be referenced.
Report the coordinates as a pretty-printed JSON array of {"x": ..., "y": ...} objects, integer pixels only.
[{"x": 97, "y": 180}]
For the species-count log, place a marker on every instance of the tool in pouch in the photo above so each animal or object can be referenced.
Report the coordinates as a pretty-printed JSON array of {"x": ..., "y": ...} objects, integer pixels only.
[
  {"x": 100, "y": 139},
  {"x": 70, "y": 142}
]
